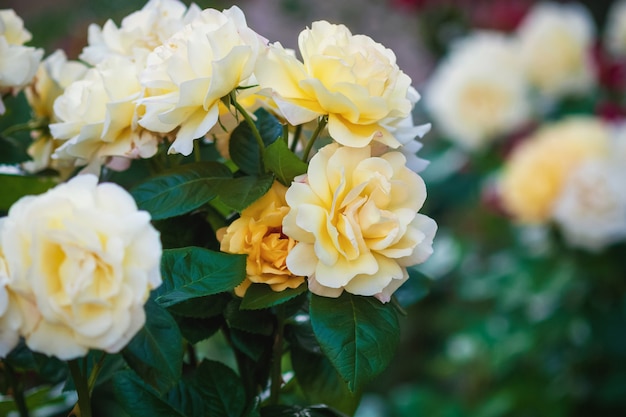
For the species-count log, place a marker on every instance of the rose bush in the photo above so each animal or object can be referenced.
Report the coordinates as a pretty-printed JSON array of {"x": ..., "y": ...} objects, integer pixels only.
[{"x": 246, "y": 240}]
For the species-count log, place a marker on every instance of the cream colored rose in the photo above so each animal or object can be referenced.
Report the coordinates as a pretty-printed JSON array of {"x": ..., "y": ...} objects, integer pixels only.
[
  {"x": 350, "y": 78},
  {"x": 87, "y": 259},
  {"x": 9, "y": 321},
  {"x": 97, "y": 117},
  {"x": 556, "y": 41},
  {"x": 55, "y": 73},
  {"x": 187, "y": 76},
  {"x": 18, "y": 63},
  {"x": 139, "y": 33},
  {"x": 591, "y": 208},
  {"x": 355, "y": 218},
  {"x": 258, "y": 234},
  {"x": 615, "y": 31},
  {"x": 534, "y": 175},
  {"x": 479, "y": 91}
]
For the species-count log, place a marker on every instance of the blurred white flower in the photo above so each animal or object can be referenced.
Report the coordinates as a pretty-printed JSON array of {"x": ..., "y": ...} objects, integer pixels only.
[
  {"x": 187, "y": 76},
  {"x": 556, "y": 41},
  {"x": 615, "y": 30},
  {"x": 139, "y": 33},
  {"x": 479, "y": 91},
  {"x": 591, "y": 209}
]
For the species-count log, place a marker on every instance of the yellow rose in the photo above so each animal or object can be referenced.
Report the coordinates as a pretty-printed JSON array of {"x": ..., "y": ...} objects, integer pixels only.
[
  {"x": 187, "y": 76},
  {"x": 55, "y": 73},
  {"x": 350, "y": 78},
  {"x": 9, "y": 321},
  {"x": 258, "y": 234},
  {"x": 97, "y": 116},
  {"x": 356, "y": 221},
  {"x": 537, "y": 169},
  {"x": 82, "y": 260}
]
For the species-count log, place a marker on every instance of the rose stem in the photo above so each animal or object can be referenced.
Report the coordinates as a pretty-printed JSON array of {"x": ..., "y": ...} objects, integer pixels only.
[
  {"x": 277, "y": 354},
  {"x": 82, "y": 389},
  {"x": 18, "y": 390},
  {"x": 320, "y": 126}
]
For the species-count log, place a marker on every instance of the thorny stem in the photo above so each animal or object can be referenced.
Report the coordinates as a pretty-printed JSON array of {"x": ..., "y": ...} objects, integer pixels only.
[
  {"x": 250, "y": 122},
  {"x": 320, "y": 126},
  {"x": 277, "y": 354},
  {"x": 83, "y": 407},
  {"x": 296, "y": 138}
]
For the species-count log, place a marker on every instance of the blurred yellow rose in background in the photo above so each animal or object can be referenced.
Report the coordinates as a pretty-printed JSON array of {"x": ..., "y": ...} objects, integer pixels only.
[{"x": 537, "y": 169}]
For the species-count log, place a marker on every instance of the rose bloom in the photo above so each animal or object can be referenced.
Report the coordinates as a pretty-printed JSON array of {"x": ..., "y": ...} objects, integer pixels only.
[
  {"x": 87, "y": 259},
  {"x": 355, "y": 218},
  {"x": 556, "y": 41},
  {"x": 615, "y": 31},
  {"x": 350, "y": 78},
  {"x": 187, "y": 76},
  {"x": 97, "y": 117},
  {"x": 591, "y": 209},
  {"x": 139, "y": 33},
  {"x": 55, "y": 73},
  {"x": 535, "y": 172},
  {"x": 258, "y": 234},
  {"x": 479, "y": 91},
  {"x": 10, "y": 319},
  {"x": 18, "y": 63}
]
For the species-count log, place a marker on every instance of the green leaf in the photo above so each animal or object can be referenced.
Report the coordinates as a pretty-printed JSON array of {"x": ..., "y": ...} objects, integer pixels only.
[
  {"x": 156, "y": 351},
  {"x": 243, "y": 147},
  {"x": 260, "y": 296},
  {"x": 297, "y": 411},
  {"x": 190, "y": 229},
  {"x": 239, "y": 193},
  {"x": 196, "y": 272},
  {"x": 195, "y": 330},
  {"x": 251, "y": 321},
  {"x": 254, "y": 346},
  {"x": 181, "y": 190},
  {"x": 38, "y": 399},
  {"x": 139, "y": 399},
  {"x": 282, "y": 162},
  {"x": 15, "y": 187},
  {"x": 49, "y": 368},
  {"x": 202, "y": 307},
  {"x": 359, "y": 335},
  {"x": 221, "y": 390},
  {"x": 320, "y": 382}
]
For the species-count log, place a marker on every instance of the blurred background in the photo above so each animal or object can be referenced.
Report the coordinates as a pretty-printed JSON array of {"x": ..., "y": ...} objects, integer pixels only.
[{"x": 518, "y": 321}]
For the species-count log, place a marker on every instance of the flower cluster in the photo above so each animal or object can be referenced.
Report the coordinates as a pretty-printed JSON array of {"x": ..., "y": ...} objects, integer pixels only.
[
  {"x": 546, "y": 97},
  {"x": 494, "y": 83},
  {"x": 170, "y": 80}
]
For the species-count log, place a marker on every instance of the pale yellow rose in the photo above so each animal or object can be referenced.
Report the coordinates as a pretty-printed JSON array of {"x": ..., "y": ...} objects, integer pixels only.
[
  {"x": 355, "y": 218},
  {"x": 139, "y": 33},
  {"x": 9, "y": 321},
  {"x": 535, "y": 173},
  {"x": 18, "y": 63},
  {"x": 55, "y": 73},
  {"x": 97, "y": 117},
  {"x": 86, "y": 259},
  {"x": 479, "y": 91},
  {"x": 187, "y": 76},
  {"x": 349, "y": 78},
  {"x": 258, "y": 234},
  {"x": 556, "y": 41}
]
